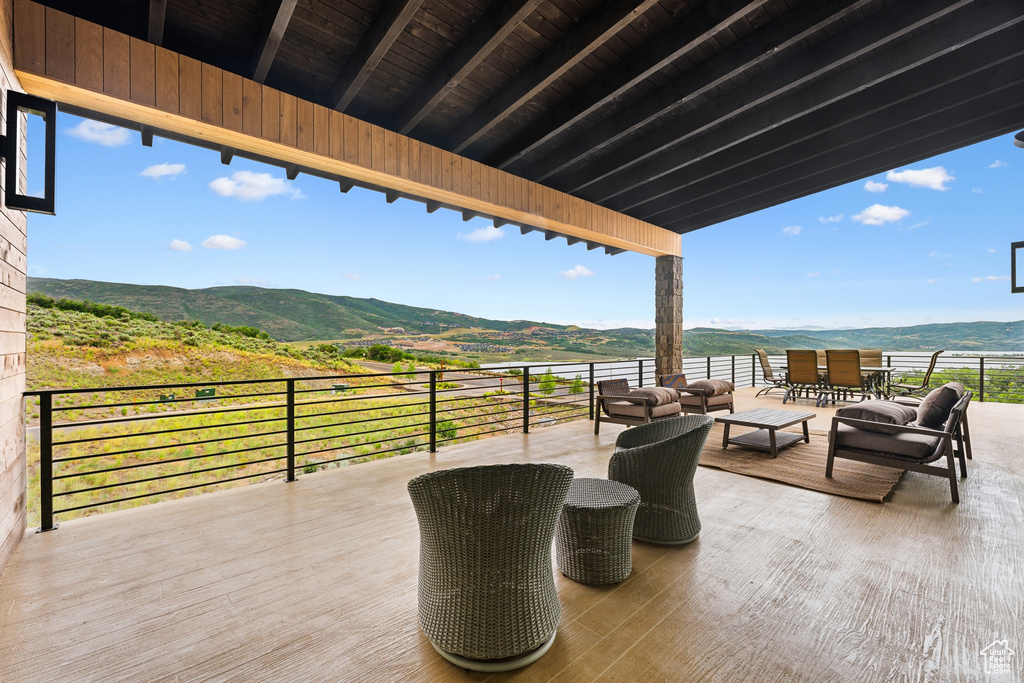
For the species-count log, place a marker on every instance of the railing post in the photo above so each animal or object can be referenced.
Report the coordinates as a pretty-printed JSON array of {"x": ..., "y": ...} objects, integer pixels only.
[
  {"x": 753, "y": 369},
  {"x": 433, "y": 411},
  {"x": 709, "y": 367},
  {"x": 981, "y": 379},
  {"x": 591, "y": 391},
  {"x": 526, "y": 400},
  {"x": 734, "y": 370},
  {"x": 291, "y": 430},
  {"x": 640, "y": 369},
  {"x": 46, "y": 462}
]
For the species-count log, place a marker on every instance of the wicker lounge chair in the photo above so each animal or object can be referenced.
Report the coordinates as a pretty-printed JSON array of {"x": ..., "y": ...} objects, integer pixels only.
[
  {"x": 616, "y": 402},
  {"x": 802, "y": 375},
  {"x": 906, "y": 447},
  {"x": 487, "y": 598},
  {"x": 659, "y": 461},
  {"x": 911, "y": 389},
  {"x": 844, "y": 375},
  {"x": 772, "y": 381},
  {"x": 703, "y": 396}
]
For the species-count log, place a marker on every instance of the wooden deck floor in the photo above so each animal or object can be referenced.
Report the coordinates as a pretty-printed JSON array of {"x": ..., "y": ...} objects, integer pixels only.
[{"x": 316, "y": 580}]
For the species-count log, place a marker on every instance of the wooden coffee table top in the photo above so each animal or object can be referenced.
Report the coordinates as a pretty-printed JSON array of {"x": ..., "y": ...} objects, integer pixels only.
[{"x": 766, "y": 418}]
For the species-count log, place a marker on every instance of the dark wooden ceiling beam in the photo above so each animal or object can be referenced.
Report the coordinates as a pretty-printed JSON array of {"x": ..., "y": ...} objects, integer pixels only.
[
  {"x": 378, "y": 39},
  {"x": 487, "y": 34},
  {"x": 748, "y": 53},
  {"x": 276, "y": 16},
  {"x": 578, "y": 43},
  {"x": 972, "y": 72},
  {"x": 863, "y": 143},
  {"x": 875, "y": 40},
  {"x": 663, "y": 49},
  {"x": 967, "y": 133},
  {"x": 155, "y": 21}
]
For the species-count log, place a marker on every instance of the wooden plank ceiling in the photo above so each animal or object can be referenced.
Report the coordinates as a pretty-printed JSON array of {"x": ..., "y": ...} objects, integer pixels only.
[{"x": 681, "y": 113}]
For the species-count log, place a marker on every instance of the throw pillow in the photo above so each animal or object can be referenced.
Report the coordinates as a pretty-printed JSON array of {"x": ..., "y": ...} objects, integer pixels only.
[
  {"x": 673, "y": 381},
  {"x": 656, "y": 396},
  {"x": 936, "y": 406},
  {"x": 880, "y": 414},
  {"x": 710, "y": 387}
]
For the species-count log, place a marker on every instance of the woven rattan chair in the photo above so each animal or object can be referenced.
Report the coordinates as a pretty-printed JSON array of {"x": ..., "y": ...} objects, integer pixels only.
[
  {"x": 771, "y": 380},
  {"x": 614, "y": 404},
  {"x": 659, "y": 461},
  {"x": 802, "y": 375},
  {"x": 487, "y": 598}
]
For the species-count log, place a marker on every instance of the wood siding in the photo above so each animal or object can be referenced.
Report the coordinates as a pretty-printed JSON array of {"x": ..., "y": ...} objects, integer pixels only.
[
  {"x": 13, "y": 249},
  {"x": 55, "y": 57}
]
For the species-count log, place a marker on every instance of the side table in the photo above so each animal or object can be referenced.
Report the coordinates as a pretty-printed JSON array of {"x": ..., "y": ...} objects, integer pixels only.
[{"x": 594, "y": 538}]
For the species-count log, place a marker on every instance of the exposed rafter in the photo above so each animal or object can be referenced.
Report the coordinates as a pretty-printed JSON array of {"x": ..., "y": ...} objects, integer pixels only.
[
  {"x": 750, "y": 52},
  {"x": 575, "y": 46},
  {"x": 276, "y": 16},
  {"x": 500, "y": 20},
  {"x": 665, "y": 48},
  {"x": 377, "y": 40},
  {"x": 872, "y": 51},
  {"x": 873, "y": 120},
  {"x": 155, "y": 21}
]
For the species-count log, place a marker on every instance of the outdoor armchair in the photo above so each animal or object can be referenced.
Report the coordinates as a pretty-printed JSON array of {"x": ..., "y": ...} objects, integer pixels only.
[
  {"x": 906, "y": 447},
  {"x": 702, "y": 396},
  {"x": 487, "y": 598},
  {"x": 617, "y": 403},
  {"x": 659, "y": 461},
  {"x": 771, "y": 380}
]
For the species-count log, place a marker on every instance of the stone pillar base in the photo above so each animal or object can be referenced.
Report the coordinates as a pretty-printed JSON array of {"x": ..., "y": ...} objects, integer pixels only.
[{"x": 668, "y": 314}]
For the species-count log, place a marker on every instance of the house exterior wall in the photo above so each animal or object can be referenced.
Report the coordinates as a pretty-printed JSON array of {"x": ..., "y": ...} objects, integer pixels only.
[{"x": 13, "y": 247}]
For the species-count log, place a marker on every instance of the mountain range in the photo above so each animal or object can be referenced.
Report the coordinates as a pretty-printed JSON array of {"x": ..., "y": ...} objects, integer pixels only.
[{"x": 297, "y": 315}]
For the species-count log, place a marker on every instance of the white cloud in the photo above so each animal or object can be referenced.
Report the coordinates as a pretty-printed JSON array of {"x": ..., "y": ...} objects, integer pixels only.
[
  {"x": 814, "y": 273},
  {"x": 919, "y": 224},
  {"x": 834, "y": 272},
  {"x": 977, "y": 190},
  {"x": 722, "y": 321},
  {"x": 493, "y": 278},
  {"x": 578, "y": 271},
  {"x": 879, "y": 214},
  {"x": 992, "y": 251},
  {"x": 160, "y": 171},
  {"x": 934, "y": 178},
  {"x": 990, "y": 278},
  {"x": 354, "y": 277},
  {"x": 100, "y": 133},
  {"x": 179, "y": 245},
  {"x": 792, "y": 230},
  {"x": 998, "y": 163},
  {"x": 933, "y": 280},
  {"x": 831, "y": 219},
  {"x": 248, "y": 186},
  {"x": 487, "y": 234},
  {"x": 874, "y": 186},
  {"x": 250, "y": 281},
  {"x": 223, "y": 242}
]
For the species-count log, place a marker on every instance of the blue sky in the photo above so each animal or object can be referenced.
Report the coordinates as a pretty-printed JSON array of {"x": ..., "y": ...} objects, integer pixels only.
[{"x": 925, "y": 243}]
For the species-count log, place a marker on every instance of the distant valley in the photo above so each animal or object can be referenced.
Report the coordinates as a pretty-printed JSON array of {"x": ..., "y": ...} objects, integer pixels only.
[{"x": 295, "y": 315}]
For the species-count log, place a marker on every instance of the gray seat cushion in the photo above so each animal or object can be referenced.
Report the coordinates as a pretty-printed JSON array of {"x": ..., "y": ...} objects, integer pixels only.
[
  {"x": 934, "y": 409},
  {"x": 625, "y": 409},
  {"x": 881, "y": 414},
  {"x": 911, "y": 447},
  {"x": 692, "y": 400}
]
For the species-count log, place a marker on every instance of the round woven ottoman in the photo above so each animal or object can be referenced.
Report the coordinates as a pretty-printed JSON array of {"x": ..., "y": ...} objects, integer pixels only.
[{"x": 594, "y": 540}]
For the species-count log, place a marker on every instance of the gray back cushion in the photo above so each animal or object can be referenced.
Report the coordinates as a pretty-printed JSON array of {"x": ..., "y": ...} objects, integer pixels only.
[
  {"x": 934, "y": 409},
  {"x": 881, "y": 414}
]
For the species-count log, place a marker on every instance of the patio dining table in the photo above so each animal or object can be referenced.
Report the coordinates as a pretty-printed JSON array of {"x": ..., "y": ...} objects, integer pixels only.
[{"x": 877, "y": 377}]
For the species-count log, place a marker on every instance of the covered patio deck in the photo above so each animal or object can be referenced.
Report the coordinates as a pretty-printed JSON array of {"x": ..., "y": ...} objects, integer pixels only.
[{"x": 316, "y": 580}]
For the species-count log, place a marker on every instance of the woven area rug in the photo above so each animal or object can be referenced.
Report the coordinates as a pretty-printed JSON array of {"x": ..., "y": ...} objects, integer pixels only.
[{"x": 803, "y": 465}]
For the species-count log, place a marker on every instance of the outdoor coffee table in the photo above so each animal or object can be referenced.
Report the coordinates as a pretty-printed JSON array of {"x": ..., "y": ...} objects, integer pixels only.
[{"x": 766, "y": 421}]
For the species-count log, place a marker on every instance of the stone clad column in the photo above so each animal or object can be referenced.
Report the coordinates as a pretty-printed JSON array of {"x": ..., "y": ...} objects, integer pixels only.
[{"x": 668, "y": 314}]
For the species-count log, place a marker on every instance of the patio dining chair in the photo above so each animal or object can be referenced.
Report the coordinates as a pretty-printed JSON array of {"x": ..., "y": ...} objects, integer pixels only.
[
  {"x": 802, "y": 375},
  {"x": 770, "y": 378},
  {"x": 844, "y": 376},
  {"x": 912, "y": 389},
  {"x": 487, "y": 599}
]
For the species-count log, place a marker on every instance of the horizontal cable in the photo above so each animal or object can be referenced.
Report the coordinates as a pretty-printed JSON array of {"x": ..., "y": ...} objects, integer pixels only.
[
  {"x": 144, "y": 449},
  {"x": 133, "y": 482}
]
